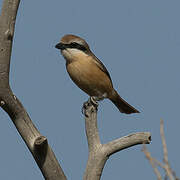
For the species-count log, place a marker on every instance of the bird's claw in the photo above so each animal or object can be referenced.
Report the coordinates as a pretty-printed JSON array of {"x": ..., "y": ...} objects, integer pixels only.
[
  {"x": 91, "y": 102},
  {"x": 84, "y": 107}
]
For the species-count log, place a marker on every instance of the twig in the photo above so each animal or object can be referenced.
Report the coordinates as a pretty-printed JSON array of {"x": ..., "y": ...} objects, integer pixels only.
[
  {"x": 165, "y": 152},
  {"x": 151, "y": 161},
  {"x": 169, "y": 173}
]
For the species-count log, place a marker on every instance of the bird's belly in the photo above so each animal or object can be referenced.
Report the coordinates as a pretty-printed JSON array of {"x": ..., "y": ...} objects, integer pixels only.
[{"x": 90, "y": 78}]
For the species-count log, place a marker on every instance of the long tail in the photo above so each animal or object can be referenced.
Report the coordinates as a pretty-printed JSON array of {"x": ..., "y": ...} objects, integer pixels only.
[{"x": 121, "y": 104}]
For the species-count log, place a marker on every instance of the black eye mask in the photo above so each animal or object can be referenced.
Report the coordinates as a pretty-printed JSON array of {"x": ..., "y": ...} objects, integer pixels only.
[{"x": 72, "y": 45}]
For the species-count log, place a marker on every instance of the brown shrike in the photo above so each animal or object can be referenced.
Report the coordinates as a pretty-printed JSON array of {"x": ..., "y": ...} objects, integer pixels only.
[{"x": 89, "y": 73}]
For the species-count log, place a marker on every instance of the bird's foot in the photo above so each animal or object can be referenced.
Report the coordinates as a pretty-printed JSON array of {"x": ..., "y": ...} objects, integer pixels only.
[
  {"x": 91, "y": 104},
  {"x": 93, "y": 100}
]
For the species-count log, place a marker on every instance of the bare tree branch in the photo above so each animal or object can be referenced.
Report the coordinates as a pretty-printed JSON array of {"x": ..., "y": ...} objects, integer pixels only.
[
  {"x": 127, "y": 141},
  {"x": 36, "y": 143},
  {"x": 99, "y": 153},
  {"x": 166, "y": 162},
  {"x": 91, "y": 129},
  {"x": 151, "y": 161},
  {"x": 154, "y": 162}
]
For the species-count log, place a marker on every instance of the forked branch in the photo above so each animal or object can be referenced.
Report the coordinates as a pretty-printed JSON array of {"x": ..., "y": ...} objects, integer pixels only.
[{"x": 99, "y": 153}]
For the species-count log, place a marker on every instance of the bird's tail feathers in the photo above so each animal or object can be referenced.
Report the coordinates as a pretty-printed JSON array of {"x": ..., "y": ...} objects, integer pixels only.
[{"x": 121, "y": 104}]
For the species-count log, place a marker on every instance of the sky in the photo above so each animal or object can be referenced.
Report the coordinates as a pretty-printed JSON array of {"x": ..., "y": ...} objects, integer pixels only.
[{"x": 138, "y": 42}]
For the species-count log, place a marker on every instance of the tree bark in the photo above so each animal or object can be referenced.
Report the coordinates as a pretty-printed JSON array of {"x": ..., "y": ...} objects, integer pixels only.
[{"x": 37, "y": 144}]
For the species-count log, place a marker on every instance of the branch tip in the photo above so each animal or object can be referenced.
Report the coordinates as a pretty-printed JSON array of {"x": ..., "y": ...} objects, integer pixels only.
[{"x": 149, "y": 139}]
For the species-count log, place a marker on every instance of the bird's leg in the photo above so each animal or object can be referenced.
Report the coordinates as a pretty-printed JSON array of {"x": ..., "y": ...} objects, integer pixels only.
[{"x": 92, "y": 101}]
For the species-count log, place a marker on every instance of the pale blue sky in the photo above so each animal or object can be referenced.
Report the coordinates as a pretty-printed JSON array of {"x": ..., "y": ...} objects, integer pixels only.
[{"x": 138, "y": 41}]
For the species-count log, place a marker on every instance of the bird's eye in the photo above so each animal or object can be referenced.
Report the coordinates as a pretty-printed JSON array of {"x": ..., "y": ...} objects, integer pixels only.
[
  {"x": 74, "y": 43},
  {"x": 78, "y": 46}
]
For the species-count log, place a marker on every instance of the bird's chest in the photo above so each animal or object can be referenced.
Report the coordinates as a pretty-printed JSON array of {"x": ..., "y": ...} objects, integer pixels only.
[
  {"x": 80, "y": 71},
  {"x": 89, "y": 77}
]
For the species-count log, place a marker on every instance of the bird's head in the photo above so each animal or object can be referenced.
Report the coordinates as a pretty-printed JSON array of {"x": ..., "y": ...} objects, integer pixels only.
[{"x": 72, "y": 46}]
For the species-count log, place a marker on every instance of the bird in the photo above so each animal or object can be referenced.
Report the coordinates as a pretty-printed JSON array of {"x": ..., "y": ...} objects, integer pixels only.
[{"x": 89, "y": 73}]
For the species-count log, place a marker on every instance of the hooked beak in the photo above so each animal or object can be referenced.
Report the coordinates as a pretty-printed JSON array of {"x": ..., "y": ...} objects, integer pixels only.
[{"x": 60, "y": 46}]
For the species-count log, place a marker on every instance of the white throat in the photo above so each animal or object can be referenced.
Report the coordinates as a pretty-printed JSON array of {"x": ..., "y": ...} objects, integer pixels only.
[{"x": 71, "y": 54}]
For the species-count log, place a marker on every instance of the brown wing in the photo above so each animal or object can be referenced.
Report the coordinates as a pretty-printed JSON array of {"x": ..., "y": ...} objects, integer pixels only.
[{"x": 102, "y": 67}]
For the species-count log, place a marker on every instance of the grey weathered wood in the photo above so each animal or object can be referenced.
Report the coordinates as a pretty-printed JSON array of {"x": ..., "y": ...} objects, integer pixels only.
[
  {"x": 99, "y": 153},
  {"x": 36, "y": 143}
]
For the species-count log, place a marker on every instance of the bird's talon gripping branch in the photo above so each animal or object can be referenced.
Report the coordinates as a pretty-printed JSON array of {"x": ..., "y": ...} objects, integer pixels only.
[
  {"x": 89, "y": 105},
  {"x": 84, "y": 107},
  {"x": 93, "y": 102}
]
